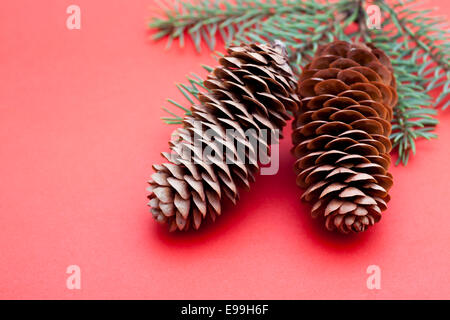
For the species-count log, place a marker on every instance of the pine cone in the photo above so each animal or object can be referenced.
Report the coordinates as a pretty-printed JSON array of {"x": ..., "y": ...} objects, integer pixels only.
[
  {"x": 341, "y": 134},
  {"x": 253, "y": 88}
]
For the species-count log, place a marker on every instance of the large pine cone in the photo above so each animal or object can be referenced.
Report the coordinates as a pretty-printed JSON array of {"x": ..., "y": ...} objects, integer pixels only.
[
  {"x": 341, "y": 134},
  {"x": 253, "y": 88}
]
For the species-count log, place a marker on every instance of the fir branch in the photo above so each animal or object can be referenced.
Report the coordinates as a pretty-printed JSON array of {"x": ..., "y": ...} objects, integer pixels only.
[
  {"x": 202, "y": 19},
  {"x": 191, "y": 93},
  {"x": 434, "y": 42},
  {"x": 416, "y": 42},
  {"x": 413, "y": 55}
]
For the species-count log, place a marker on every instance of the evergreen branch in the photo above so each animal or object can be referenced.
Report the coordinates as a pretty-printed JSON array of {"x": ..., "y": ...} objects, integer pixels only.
[
  {"x": 421, "y": 38},
  {"x": 191, "y": 93},
  {"x": 413, "y": 56},
  {"x": 415, "y": 42},
  {"x": 202, "y": 19},
  {"x": 422, "y": 32}
]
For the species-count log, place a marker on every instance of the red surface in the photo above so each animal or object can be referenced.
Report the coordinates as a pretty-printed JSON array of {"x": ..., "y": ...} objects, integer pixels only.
[{"x": 79, "y": 130}]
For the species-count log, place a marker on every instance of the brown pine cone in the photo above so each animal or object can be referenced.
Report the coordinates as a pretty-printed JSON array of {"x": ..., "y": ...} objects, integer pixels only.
[
  {"x": 341, "y": 134},
  {"x": 253, "y": 88}
]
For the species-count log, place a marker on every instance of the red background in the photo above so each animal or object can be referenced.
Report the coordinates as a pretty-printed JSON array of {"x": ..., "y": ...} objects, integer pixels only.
[{"x": 79, "y": 131}]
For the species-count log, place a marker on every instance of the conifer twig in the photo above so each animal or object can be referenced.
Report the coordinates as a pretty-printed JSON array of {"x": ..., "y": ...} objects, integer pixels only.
[{"x": 416, "y": 42}]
